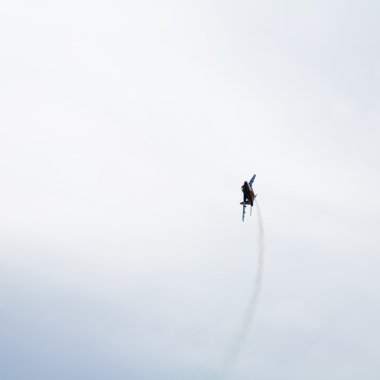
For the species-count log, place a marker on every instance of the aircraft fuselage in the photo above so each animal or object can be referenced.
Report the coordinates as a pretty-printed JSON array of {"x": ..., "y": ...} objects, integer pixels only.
[{"x": 249, "y": 195}]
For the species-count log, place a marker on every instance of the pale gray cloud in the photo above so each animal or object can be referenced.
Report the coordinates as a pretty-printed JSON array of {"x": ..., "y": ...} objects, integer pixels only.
[{"x": 126, "y": 129}]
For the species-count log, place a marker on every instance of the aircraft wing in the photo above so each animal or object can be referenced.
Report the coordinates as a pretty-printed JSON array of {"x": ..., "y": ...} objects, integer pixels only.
[
  {"x": 244, "y": 206},
  {"x": 252, "y": 179}
]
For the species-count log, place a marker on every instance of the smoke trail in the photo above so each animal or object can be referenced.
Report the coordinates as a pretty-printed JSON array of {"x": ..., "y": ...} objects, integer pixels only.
[{"x": 234, "y": 351}]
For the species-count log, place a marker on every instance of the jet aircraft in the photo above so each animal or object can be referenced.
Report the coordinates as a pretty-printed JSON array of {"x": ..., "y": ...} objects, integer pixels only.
[{"x": 248, "y": 195}]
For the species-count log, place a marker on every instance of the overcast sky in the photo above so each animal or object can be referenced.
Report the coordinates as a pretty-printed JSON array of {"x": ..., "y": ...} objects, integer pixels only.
[{"x": 126, "y": 131}]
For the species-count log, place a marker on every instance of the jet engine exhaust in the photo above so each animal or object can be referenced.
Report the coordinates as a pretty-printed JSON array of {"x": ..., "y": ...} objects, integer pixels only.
[{"x": 234, "y": 351}]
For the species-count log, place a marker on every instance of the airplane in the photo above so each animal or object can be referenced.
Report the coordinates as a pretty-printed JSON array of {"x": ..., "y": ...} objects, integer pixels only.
[{"x": 248, "y": 195}]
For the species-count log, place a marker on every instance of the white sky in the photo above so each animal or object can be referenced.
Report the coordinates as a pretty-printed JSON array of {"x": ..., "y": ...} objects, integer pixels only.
[{"x": 126, "y": 131}]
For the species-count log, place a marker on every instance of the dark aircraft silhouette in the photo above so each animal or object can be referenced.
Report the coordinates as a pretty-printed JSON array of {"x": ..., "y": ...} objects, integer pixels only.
[{"x": 248, "y": 195}]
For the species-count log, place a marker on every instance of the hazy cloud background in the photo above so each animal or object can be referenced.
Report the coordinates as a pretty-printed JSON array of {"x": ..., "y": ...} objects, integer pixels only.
[{"x": 126, "y": 130}]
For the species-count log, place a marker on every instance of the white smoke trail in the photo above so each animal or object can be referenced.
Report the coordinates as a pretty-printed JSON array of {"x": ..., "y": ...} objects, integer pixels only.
[{"x": 234, "y": 351}]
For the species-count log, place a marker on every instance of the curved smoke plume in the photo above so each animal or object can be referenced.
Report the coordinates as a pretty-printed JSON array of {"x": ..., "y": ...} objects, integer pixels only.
[{"x": 243, "y": 331}]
